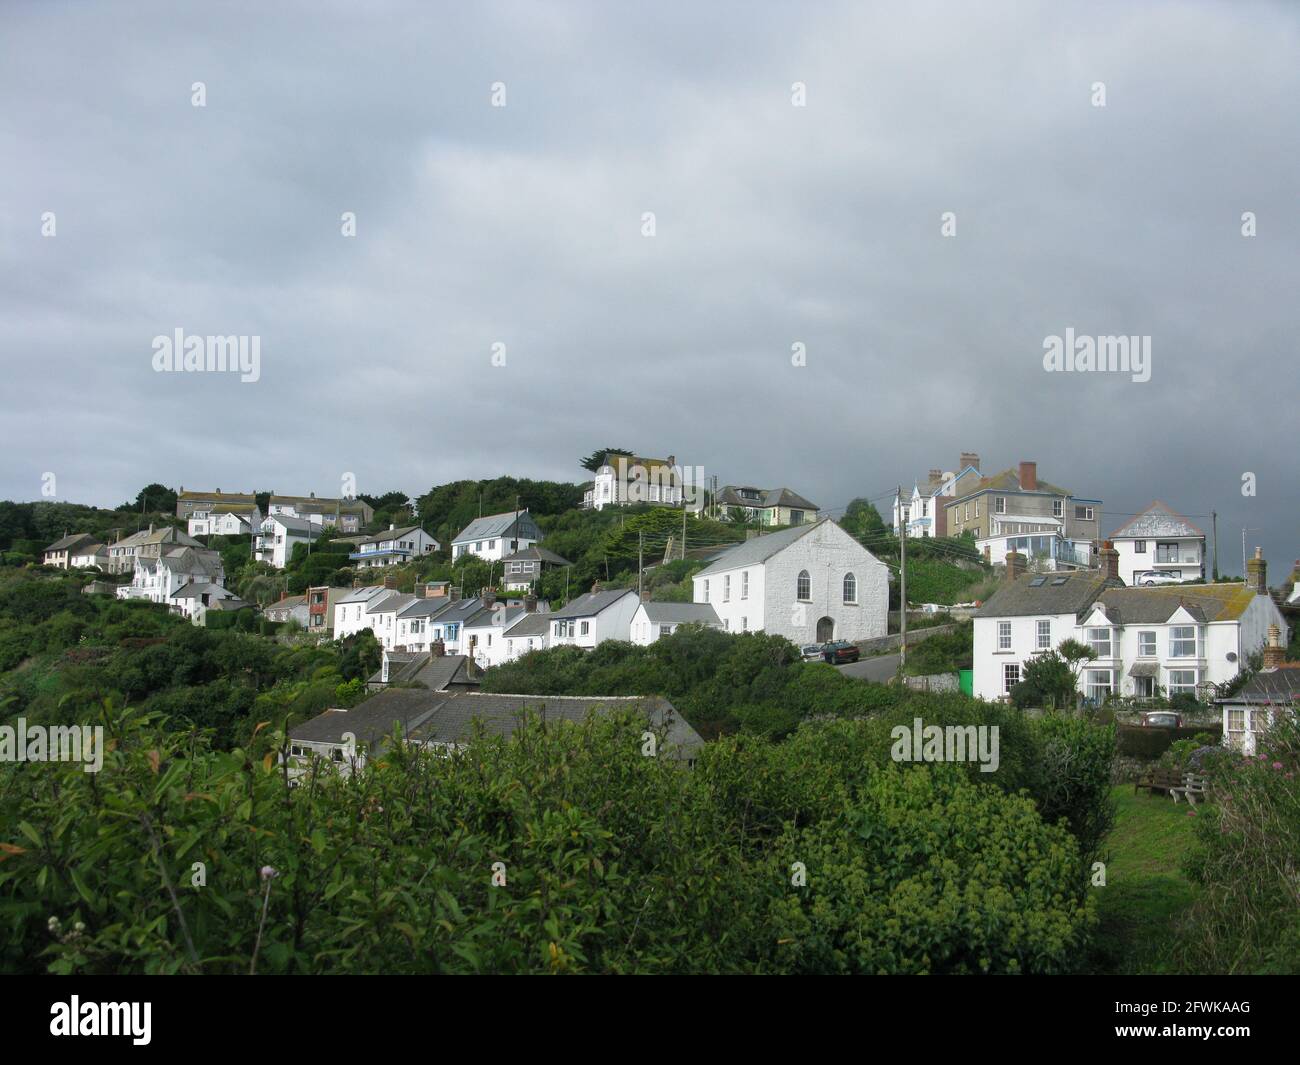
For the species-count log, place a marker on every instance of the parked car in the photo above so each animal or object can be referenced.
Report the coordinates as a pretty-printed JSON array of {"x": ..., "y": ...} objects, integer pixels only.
[
  {"x": 838, "y": 651},
  {"x": 1162, "y": 719},
  {"x": 1153, "y": 577},
  {"x": 812, "y": 652}
]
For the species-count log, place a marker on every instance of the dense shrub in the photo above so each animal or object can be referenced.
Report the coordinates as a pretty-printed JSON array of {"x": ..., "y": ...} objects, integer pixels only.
[
  {"x": 609, "y": 861},
  {"x": 926, "y": 872},
  {"x": 1246, "y": 918}
]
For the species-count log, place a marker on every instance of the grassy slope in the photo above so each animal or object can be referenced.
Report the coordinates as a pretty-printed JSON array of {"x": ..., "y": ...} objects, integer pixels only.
[{"x": 1145, "y": 890}]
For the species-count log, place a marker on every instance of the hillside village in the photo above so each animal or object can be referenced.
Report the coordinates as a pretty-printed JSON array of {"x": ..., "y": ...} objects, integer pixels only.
[{"x": 734, "y": 558}]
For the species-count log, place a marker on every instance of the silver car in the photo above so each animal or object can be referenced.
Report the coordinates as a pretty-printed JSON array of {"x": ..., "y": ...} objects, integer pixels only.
[
  {"x": 811, "y": 652},
  {"x": 1153, "y": 577}
]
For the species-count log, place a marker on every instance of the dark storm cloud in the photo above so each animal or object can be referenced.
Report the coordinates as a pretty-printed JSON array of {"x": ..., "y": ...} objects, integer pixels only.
[{"x": 775, "y": 225}]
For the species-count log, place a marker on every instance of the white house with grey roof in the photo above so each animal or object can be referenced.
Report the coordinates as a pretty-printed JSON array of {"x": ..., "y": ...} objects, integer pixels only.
[
  {"x": 594, "y": 617},
  {"x": 653, "y": 620},
  {"x": 495, "y": 536},
  {"x": 1148, "y": 642},
  {"x": 393, "y": 546},
  {"x": 1159, "y": 540},
  {"x": 277, "y": 536},
  {"x": 160, "y": 579},
  {"x": 807, "y": 583},
  {"x": 528, "y": 633},
  {"x": 350, "y": 615}
]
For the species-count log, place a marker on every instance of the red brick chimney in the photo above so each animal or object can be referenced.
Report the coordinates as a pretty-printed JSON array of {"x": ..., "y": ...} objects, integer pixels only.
[
  {"x": 390, "y": 581},
  {"x": 1029, "y": 476},
  {"x": 1015, "y": 565},
  {"x": 1257, "y": 573},
  {"x": 1109, "y": 561},
  {"x": 1274, "y": 652}
]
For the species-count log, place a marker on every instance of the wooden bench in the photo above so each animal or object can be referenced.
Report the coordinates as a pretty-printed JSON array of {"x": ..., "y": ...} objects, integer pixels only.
[
  {"x": 1159, "y": 780},
  {"x": 1194, "y": 784}
]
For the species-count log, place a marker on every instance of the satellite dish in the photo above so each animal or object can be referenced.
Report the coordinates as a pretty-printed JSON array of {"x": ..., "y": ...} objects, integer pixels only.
[{"x": 1232, "y": 656}]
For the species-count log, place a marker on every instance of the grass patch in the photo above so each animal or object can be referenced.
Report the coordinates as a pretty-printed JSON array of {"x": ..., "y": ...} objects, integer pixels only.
[{"x": 1146, "y": 891}]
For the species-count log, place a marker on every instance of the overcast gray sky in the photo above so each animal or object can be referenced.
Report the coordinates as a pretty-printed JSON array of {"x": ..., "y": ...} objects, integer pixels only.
[{"x": 774, "y": 225}]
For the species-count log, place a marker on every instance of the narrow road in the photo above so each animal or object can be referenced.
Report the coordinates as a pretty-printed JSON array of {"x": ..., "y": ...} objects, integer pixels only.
[{"x": 877, "y": 669}]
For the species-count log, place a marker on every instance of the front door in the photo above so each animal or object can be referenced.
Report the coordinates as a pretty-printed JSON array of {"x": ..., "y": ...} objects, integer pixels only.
[{"x": 825, "y": 630}]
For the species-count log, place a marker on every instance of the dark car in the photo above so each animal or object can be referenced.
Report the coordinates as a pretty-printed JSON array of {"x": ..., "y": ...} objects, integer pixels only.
[{"x": 838, "y": 651}]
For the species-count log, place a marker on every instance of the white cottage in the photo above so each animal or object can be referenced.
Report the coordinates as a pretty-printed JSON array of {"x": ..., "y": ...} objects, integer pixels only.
[
  {"x": 1148, "y": 641},
  {"x": 595, "y": 617},
  {"x": 810, "y": 582},
  {"x": 654, "y": 620},
  {"x": 1159, "y": 541}
]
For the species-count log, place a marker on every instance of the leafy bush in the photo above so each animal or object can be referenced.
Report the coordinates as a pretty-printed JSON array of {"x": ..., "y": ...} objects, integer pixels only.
[
  {"x": 1246, "y": 918},
  {"x": 604, "y": 860},
  {"x": 928, "y": 873}
]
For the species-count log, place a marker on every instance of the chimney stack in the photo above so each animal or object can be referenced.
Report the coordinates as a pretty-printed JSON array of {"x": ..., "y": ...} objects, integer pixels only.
[
  {"x": 1274, "y": 653},
  {"x": 530, "y": 603},
  {"x": 455, "y": 594},
  {"x": 489, "y": 596},
  {"x": 1257, "y": 573},
  {"x": 356, "y": 582},
  {"x": 968, "y": 458},
  {"x": 418, "y": 590},
  {"x": 595, "y": 587},
  {"x": 1015, "y": 565},
  {"x": 935, "y": 476},
  {"x": 437, "y": 649},
  {"x": 390, "y": 581},
  {"x": 1029, "y": 476},
  {"x": 1109, "y": 561}
]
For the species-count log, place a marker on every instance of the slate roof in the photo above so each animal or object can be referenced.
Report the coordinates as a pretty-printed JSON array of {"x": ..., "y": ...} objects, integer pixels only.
[
  {"x": 487, "y": 619},
  {"x": 71, "y": 541},
  {"x": 389, "y": 534},
  {"x": 533, "y": 624},
  {"x": 448, "y": 717},
  {"x": 1278, "y": 685},
  {"x": 197, "y": 589},
  {"x": 1154, "y": 605},
  {"x": 296, "y": 525},
  {"x": 362, "y": 594},
  {"x": 395, "y": 601},
  {"x": 585, "y": 606},
  {"x": 1156, "y": 521},
  {"x": 537, "y": 554},
  {"x": 681, "y": 613},
  {"x": 1018, "y": 598},
  {"x": 218, "y": 497},
  {"x": 770, "y": 497},
  {"x": 759, "y": 549},
  {"x": 291, "y": 602},
  {"x": 166, "y": 535},
  {"x": 433, "y": 671},
  {"x": 1009, "y": 481},
  {"x": 494, "y": 526},
  {"x": 425, "y": 607},
  {"x": 192, "y": 560}
]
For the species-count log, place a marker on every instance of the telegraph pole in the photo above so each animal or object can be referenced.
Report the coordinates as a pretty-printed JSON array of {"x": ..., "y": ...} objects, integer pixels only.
[
  {"x": 640, "y": 539},
  {"x": 1214, "y": 528},
  {"x": 902, "y": 582}
]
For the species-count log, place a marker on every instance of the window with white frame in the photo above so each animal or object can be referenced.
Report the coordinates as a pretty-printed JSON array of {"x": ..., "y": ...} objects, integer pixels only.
[
  {"x": 1044, "y": 635},
  {"x": 1098, "y": 684},
  {"x": 803, "y": 587},
  {"x": 999, "y": 504},
  {"x": 1010, "y": 676},
  {"x": 744, "y": 584},
  {"x": 1146, "y": 644},
  {"x": 1058, "y": 508},
  {"x": 1260, "y": 719},
  {"x": 1182, "y": 680},
  {"x": 1236, "y": 720},
  {"x": 1004, "y": 636},
  {"x": 726, "y": 588},
  {"x": 977, "y": 508},
  {"x": 1139, "y": 547},
  {"x": 706, "y": 591},
  {"x": 744, "y": 624},
  {"x": 850, "y": 588},
  {"x": 1099, "y": 641},
  {"x": 1182, "y": 641},
  {"x": 585, "y": 629},
  {"x": 1083, "y": 513}
]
